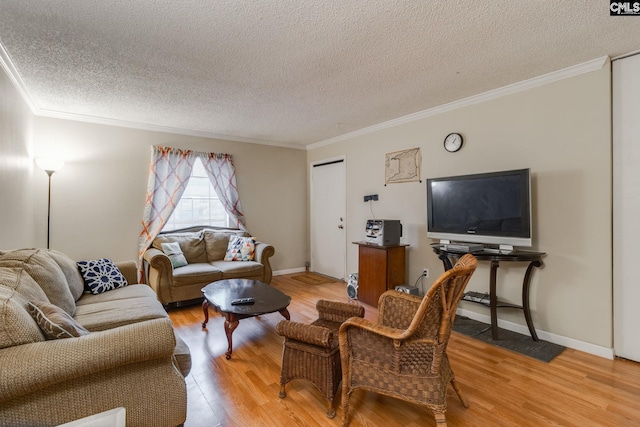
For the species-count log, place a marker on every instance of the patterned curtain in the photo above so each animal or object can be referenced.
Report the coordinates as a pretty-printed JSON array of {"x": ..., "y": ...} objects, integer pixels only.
[
  {"x": 168, "y": 177},
  {"x": 222, "y": 174}
]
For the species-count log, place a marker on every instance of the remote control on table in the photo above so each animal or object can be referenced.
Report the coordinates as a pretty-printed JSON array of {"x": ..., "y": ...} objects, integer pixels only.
[{"x": 242, "y": 301}]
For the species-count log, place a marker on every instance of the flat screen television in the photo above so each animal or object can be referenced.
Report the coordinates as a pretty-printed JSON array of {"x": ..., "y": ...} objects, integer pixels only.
[{"x": 487, "y": 208}]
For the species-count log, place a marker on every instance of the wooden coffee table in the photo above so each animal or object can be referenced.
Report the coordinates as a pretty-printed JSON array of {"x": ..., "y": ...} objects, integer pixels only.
[{"x": 220, "y": 294}]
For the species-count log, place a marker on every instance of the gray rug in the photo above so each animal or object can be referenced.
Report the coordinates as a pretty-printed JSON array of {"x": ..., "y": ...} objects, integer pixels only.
[{"x": 523, "y": 344}]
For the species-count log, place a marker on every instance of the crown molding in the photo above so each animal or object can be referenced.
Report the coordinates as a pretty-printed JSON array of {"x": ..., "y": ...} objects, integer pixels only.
[
  {"x": 14, "y": 76},
  {"x": 565, "y": 73},
  {"x": 157, "y": 128},
  {"x": 11, "y": 71},
  {"x": 626, "y": 55}
]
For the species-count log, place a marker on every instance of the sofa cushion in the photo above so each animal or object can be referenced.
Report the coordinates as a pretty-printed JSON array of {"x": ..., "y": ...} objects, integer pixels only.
[
  {"x": 100, "y": 316},
  {"x": 16, "y": 325},
  {"x": 47, "y": 274},
  {"x": 101, "y": 275},
  {"x": 217, "y": 242},
  {"x": 240, "y": 249},
  {"x": 54, "y": 322},
  {"x": 127, "y": 293},
  {"x": 192, "y": 245},
  {"x": 201, "y": 272},
  {"x": 70, "y": 270},
  {"x": 173, "y": 251},
  {"x": 17, "y": 279},
  {"x": 242, "y": 270}
]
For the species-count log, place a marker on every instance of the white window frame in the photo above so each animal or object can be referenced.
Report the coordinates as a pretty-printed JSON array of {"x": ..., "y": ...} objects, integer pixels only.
[{"x": 193, "y": 195}]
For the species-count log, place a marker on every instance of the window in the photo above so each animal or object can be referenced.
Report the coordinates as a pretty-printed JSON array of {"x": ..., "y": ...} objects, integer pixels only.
[{"x": 199, "y": 204}]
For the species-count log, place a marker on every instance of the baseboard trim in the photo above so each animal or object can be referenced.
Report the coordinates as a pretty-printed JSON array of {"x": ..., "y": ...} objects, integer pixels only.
[
  {"x": 575, "y": 344},
  {"x": 289, "y": 271}
]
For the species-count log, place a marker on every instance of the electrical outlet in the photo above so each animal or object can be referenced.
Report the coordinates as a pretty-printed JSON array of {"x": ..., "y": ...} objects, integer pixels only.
[{"x": 425, "y": 272}]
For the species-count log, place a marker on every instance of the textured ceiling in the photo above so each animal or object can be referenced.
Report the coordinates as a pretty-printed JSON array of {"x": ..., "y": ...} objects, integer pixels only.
[{"x": 289, "y": 72}]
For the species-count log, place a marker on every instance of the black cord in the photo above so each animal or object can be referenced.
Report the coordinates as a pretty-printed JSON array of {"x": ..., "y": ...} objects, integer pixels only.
[{"x": 416, "y": 284}]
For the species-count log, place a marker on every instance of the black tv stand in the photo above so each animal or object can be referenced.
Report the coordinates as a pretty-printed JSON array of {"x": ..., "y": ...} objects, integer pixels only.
[{"x": 533, "y": 258}]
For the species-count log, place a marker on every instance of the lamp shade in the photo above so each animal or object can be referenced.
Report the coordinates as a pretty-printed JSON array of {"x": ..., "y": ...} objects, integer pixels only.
[{"x": 50, "y": 165}]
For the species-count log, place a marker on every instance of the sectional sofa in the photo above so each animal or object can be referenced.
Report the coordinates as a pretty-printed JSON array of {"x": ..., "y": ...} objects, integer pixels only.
[{"x": 103, "y": 351}]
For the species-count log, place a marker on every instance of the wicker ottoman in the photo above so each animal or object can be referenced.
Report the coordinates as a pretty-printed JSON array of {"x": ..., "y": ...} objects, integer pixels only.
[{"x": 311, "y": 351}]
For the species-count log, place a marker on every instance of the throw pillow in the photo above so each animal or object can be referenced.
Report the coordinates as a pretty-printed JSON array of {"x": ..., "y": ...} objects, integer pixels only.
[
  {"x": 54, "y": 322},
  {"x": 173, "y": 251},
  {"x": 240, "y": 249},
  {"x": 101, "y": 275}
]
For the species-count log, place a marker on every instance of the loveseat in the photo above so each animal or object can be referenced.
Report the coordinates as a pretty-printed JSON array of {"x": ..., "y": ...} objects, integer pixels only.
[
  {"x": 204, "y": 249},
  {"x": 113, "y": 349}
]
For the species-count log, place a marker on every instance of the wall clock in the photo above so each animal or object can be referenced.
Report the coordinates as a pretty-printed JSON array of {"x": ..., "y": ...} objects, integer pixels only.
[{"x": 453, "y": 142}]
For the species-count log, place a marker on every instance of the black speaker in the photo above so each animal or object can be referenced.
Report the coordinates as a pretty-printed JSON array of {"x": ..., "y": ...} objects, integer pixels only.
[{"x": 352, "y": 286}]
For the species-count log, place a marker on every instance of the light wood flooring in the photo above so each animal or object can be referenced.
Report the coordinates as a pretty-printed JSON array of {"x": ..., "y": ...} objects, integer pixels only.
[{"x": 503, "y": 388}]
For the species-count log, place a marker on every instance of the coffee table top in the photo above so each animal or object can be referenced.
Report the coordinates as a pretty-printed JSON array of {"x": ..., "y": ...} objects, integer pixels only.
[{"x": 267, "y": 298}]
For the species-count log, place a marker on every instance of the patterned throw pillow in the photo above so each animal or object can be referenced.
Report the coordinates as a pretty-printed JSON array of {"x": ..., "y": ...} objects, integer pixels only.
[
  {"x": 240, "y": 249},
  {"x": 54, "y": 322},
  {"x": 173, "y": 251},
  {"x": 101, "y": 275}
]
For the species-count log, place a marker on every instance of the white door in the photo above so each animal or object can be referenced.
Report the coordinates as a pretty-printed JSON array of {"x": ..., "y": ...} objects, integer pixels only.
[
  {"x": 328, "y": 218},
  {"x": 626, "y": 207}
]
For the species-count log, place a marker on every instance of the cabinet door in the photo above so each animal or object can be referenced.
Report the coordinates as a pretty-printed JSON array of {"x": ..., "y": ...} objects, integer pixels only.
[
  {"x": 395, "y": 267},
  {"x": 372, "y": 274}
]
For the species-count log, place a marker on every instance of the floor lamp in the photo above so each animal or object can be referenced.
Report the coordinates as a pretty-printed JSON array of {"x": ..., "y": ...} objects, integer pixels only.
[{"x": 49, "y": 166}]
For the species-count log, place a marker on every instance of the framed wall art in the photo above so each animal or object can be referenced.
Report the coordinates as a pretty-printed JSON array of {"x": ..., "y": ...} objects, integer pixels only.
[{"x": 402, "y": 166}]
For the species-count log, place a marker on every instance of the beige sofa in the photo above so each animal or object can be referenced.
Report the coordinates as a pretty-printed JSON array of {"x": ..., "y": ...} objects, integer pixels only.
[
  {"x": 204, "y": 249},
  {"x": 130, "y": 357}
]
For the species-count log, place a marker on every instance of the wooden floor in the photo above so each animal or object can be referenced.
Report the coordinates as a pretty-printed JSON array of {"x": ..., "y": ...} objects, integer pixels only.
[{"x": 503, "y": 388}]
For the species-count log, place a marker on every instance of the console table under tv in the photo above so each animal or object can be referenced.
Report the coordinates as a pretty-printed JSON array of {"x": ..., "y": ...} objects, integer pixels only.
[{"x": 494, "y": 256}]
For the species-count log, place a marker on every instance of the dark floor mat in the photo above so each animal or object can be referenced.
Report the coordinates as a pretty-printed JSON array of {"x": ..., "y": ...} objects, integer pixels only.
[{"x": 523, "y": 344}]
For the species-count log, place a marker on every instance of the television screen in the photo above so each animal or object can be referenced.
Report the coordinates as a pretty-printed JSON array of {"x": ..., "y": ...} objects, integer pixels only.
[{"x": 491, "y": 208}]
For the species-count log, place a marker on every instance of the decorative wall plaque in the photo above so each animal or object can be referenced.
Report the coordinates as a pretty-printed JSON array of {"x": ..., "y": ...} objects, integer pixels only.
[{"x": 402, "y": 166}]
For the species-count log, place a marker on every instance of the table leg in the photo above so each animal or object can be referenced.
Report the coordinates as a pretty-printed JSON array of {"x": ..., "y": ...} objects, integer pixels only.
[
  {"x": 285, "y": 313},
  {"x": 205, "y": 309},
  {"x": 525, "y": 298},
  {"x": 230, "y": 325},
  {"x": 446, "y": 262},
  {"x": 493, "y": 299}
]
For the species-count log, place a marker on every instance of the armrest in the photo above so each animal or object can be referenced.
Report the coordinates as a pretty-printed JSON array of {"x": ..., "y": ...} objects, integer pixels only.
[
  {"x": 335, "y": 311},
  {"x": 129, "y": 270},
  {"x": 156, "y": 258},
  {"x": 31, "y": 367},
  {"x": 367, "y": 325},
  {"x": 316, "y": 335},
  {"x": 263, "y": 252},
  {"x": 160, "y": 275}
]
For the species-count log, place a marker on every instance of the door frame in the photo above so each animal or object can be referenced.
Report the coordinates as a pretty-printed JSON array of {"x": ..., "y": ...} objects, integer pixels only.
[
  {"x": 625, "y": 315},
  {"x": 343, "y": 160}
]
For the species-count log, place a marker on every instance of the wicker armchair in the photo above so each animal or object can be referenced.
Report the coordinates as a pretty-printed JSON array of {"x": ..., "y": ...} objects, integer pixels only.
[
  {"x": 404, "y": 354},
  {"x": 311, "y": 351}
]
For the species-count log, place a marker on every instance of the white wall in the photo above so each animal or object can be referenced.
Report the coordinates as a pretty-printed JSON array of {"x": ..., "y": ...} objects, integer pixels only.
[
  {"x": 16, "y": 169},
  {"x": 562, "y": 131},
  {"x": 98, "y": 197}
]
